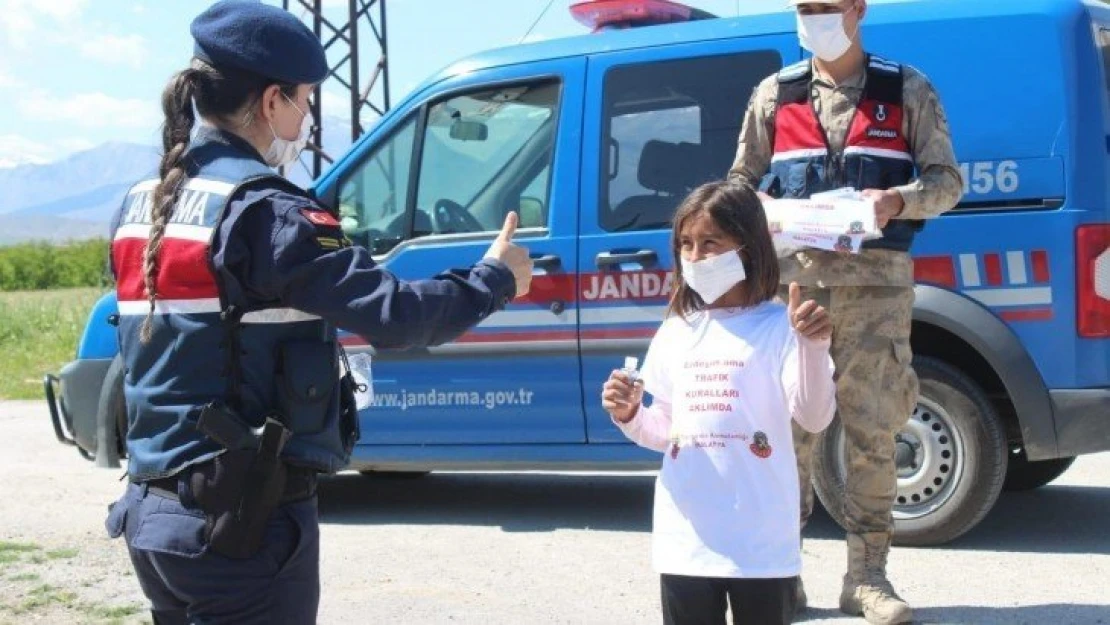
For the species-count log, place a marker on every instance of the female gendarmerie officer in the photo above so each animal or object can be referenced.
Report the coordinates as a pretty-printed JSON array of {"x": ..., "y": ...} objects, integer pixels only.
[{"x": 231, "y": 283}]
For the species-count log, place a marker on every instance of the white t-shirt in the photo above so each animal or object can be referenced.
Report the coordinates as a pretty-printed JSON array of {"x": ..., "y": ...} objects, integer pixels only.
[{"x": 726, "y": 499}]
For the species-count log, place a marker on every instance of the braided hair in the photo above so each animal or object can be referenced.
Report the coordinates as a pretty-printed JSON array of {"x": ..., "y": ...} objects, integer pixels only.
[{"x": 223, "y": 95}]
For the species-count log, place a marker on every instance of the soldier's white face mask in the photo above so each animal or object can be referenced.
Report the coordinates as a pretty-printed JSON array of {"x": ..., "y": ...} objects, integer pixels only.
[
  {"x": 714, "y": 276},
  {"x": 283, "y": 151},
  {"x": 824, "y": 35}
]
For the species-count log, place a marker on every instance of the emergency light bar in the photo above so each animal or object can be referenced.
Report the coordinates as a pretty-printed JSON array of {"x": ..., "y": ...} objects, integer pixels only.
[{"x": 602, "y": 15}]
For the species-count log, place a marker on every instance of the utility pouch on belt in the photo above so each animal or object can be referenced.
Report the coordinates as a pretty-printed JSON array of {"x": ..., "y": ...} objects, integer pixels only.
[{"x": 240, "y": 488}]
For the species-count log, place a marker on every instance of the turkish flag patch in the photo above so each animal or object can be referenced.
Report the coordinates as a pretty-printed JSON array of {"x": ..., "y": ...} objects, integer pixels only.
[{"x": 320, "y": 218}]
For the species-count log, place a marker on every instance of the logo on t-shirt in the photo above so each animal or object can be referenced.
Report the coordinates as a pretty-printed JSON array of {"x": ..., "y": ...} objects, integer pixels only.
[{"x": 760, "y": 446}]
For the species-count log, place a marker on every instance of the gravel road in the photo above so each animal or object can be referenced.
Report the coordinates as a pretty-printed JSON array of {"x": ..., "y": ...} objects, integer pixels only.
[{"x": 493, "y": 548}]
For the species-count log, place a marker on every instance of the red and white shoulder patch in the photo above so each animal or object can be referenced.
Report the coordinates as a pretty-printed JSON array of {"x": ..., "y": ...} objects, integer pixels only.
[{"x": 320, "y": 217}]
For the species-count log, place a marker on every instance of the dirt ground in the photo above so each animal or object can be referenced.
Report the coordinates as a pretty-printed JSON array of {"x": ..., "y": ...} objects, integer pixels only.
[{"x": 530, "y": 548}]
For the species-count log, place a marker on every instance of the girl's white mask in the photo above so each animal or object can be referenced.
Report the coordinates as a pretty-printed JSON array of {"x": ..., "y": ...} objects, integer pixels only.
[
  {"x": 712, "y": 277},
  {"x": 824, "y": 35},
  {"x": 283, "y": 151}
]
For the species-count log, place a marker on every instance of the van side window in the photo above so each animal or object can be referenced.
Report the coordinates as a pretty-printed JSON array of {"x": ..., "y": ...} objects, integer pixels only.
[
  {"x": 669, "y": 126},
  {"x": 373, "y": 200},
  {"x": 482, "y": 154}
]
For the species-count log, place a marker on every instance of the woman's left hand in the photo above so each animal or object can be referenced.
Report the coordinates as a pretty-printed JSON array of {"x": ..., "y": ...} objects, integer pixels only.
[{"x": 807, "y": 318}]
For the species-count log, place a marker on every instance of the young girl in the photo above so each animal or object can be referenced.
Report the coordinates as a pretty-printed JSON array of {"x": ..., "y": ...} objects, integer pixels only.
[{"x": 727, "y": 371}]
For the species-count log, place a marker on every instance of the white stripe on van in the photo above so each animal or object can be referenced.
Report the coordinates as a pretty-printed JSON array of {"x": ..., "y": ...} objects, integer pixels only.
[
  {"x": 1015, "y": 264},
  {"x": 1031, "y": 296},
  {"x": 969, "y": 270}
]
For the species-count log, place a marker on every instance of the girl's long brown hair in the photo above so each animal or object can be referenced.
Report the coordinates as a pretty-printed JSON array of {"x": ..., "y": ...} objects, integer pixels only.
[{"x": 737, "y": 211}]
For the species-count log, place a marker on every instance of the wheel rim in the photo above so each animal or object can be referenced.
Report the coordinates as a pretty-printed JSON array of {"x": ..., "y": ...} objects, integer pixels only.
[{"x": 930, "y": 457}]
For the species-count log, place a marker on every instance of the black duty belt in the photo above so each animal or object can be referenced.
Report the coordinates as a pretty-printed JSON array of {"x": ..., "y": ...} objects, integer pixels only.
[{"x": 300, "y": 484}]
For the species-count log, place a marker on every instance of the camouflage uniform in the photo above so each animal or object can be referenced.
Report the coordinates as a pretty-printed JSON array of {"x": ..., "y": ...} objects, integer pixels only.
[{"x": 870, "y": 299}]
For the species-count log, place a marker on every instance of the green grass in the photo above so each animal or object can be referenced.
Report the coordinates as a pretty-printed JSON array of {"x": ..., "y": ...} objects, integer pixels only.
[
  {"x": 25, "y": 577},
  {"x": 112, "y": 612},
  {"x": 45, "y": 596},
  {"x": 10, "y": 547},
  {"x": 39, "y": 331},
  {"x": 62, "y": 554}
]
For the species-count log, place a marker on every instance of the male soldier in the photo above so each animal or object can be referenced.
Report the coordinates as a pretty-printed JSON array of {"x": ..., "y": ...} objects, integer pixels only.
[{"x": 851, "y": 119}]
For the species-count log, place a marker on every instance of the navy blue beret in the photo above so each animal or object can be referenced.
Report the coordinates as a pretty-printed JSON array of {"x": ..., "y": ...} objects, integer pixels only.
[{"x": 260, "y": 38}]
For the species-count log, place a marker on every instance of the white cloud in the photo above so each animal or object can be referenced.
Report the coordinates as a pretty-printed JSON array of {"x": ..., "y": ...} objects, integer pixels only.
[
  {"x": 16, "y": 150},
  {"x": 129, "y": 49},
  {"x": 91, "y": 110},
  {"x": 58, "y": 9},
  {"x": 7, "y": 81},
  {"x": 335, "y": 104},
  {"x": 20, "y": 20}
]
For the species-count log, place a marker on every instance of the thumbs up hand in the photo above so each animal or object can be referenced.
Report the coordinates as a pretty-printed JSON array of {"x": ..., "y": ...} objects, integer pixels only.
[
  {"x": 514, "y": 256},
  {"x": 807, "y": 318}
]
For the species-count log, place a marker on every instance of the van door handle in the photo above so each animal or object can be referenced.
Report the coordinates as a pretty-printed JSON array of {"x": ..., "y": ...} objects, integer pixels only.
[
  {"x": 546, "y": 261},
  {"x": 644, "y": 257}
]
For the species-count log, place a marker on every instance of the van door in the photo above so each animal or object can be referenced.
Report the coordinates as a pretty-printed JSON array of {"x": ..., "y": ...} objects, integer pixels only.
[
  {"x": 432, "y": 195},
  {"x": 661, "y": 121}
]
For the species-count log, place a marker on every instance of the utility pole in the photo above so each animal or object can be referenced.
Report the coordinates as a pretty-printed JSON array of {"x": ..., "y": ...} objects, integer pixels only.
[{"x": 342, "y": 44}]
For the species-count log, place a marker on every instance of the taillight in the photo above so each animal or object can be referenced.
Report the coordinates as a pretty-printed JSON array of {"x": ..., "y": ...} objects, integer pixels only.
[{"x": 1092, "y": 265}]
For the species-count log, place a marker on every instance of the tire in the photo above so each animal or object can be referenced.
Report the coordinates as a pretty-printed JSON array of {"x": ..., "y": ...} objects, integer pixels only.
[
  {"x": 958, "y": 443},
  {"x": 1022, "y": 474},
  {"x": 111, "y": 418}
]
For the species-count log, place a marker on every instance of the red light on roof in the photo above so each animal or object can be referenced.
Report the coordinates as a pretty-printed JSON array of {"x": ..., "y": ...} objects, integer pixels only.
[{"x": 606, "y": 14}]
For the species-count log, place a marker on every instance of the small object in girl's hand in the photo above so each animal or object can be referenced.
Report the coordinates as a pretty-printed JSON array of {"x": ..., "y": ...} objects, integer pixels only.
[{"x": 631, "y": 369}]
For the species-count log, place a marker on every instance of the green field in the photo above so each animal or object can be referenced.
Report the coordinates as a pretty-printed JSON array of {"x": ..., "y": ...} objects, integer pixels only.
[{"x": 38, "y": 334}]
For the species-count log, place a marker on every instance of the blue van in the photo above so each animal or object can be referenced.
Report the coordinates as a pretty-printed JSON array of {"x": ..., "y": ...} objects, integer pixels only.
[{"x": 595, "y": 139}]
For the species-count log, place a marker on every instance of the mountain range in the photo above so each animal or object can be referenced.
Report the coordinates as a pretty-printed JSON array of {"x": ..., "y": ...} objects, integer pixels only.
[{"x": 75, "y": 197}]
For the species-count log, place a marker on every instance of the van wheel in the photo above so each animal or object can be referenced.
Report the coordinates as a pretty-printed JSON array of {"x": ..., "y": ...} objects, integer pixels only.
[
  {"x": 1023, "y": 474},
  {"x": 951, "y": 459},
  {"x": 111, "y": 418}
]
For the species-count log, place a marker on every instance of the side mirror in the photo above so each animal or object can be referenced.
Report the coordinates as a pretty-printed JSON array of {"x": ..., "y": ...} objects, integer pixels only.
[
  {"x": 531, "y": 212},
  {"x": 469, "y": 131}
]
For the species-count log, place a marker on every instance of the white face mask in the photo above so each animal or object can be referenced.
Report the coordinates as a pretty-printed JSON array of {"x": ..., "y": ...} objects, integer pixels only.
[
  {"x": 824, "y": 35},
  {"x": 712, "y": 277},
  {"x": 283, "y": 151}
]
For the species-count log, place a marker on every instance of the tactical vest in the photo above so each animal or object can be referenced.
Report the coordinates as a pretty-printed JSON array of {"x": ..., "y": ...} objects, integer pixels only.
[
  {"x": 875, "y": 155},
  {"x": 211, "y": 341}
]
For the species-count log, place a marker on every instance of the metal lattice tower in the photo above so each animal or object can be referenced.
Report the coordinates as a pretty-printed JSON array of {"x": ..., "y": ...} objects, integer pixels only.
[{"x": 342, "y": 43}]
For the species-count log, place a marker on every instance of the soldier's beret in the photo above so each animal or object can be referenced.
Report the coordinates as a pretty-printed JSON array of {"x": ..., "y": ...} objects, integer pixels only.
[{"x": 259, "y": 38}]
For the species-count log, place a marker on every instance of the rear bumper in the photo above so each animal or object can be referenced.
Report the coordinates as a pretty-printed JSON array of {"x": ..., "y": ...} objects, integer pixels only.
[
  {"x": 51, "y": 386},
  {"x": 1082, "y": 419},
  {"x": 73, "y": 396}
]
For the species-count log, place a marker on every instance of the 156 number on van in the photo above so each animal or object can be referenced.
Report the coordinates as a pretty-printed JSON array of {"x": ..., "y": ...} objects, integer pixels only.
[{"x": 987, "y": 176}]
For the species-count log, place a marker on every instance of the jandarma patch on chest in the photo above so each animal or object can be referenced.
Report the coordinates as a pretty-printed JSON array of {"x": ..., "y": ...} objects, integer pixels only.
[{"x": 320, "y": 218}]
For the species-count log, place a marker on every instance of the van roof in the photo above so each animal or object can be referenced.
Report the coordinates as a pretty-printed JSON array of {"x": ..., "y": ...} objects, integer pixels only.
[{"x": 757, "y": 17}]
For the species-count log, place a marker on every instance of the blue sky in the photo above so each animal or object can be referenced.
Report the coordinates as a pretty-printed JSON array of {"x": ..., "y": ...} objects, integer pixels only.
[{"x": 77, "y": 73}]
